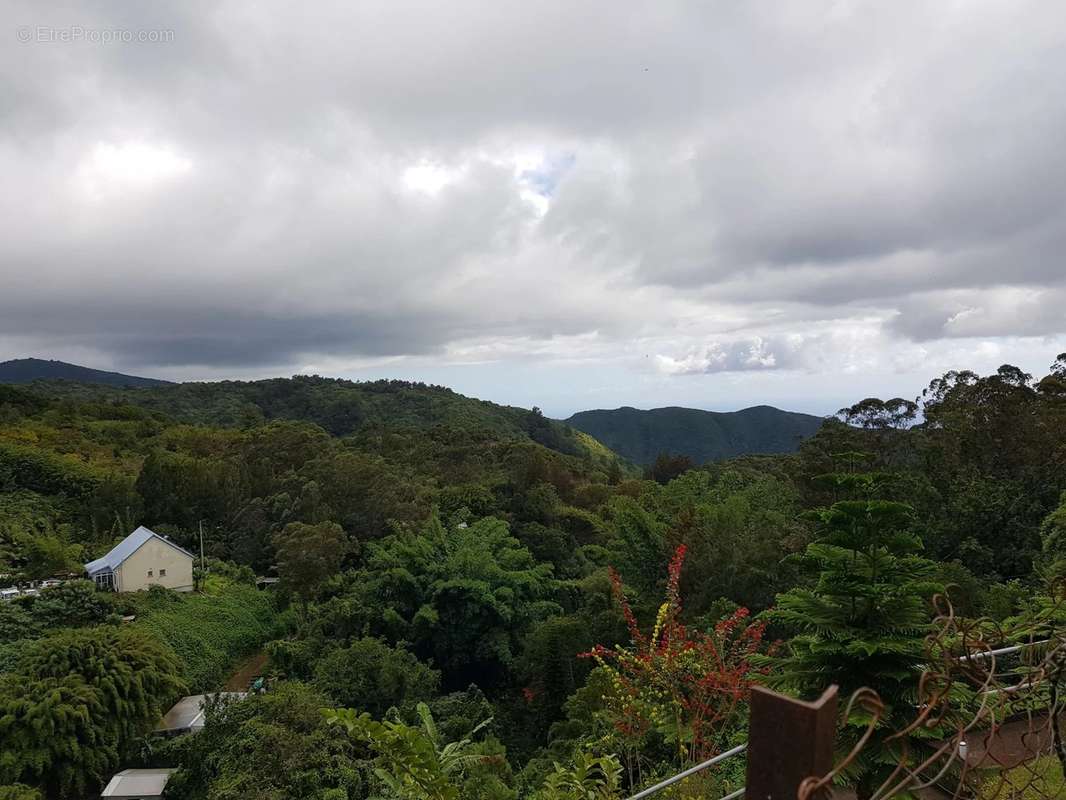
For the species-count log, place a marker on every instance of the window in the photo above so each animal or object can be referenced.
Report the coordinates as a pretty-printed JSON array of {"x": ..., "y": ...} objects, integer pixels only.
[
  {"x": 162, "y": 573},
  {"x": 149, "y": 573},
  {"x": 105, "y": 580}
]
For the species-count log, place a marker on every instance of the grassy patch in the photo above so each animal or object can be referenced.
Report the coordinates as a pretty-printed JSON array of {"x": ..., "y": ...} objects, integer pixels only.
[
  {"x": 1038, "y": 780},
  {"x": 210, "y": 632}
]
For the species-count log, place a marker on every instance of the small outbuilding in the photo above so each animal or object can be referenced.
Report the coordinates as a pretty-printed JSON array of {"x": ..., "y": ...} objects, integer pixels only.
[
  {"x": 187, "y": 715},
  {"x": 138, "y": 784},
  {"x": 143, "y": 559}
]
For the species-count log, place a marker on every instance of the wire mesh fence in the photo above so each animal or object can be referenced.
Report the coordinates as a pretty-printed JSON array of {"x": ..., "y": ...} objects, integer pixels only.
[{"x": 987, "y": 721}]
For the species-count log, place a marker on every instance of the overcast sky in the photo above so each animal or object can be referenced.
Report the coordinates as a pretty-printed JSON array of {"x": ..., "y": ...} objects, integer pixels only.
[{"x": 568, "y": 204}]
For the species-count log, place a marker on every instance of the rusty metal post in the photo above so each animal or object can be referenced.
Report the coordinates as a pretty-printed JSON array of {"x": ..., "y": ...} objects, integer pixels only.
[{"x": 788, "y": 740}]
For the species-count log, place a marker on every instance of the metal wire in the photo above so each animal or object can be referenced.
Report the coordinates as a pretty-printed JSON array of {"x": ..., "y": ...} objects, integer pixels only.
[
  {"x": 971, "y": 749},
  {"x": 1000, "y": 743}
]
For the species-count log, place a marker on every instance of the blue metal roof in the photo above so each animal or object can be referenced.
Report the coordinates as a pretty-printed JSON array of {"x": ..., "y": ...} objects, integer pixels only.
[{"x": 126, "y": 548}]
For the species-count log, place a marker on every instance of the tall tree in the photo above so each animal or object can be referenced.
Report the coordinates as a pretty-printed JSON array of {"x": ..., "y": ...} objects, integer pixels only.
[
  {"x": 861, "y": 624},
  {"x": 308, "y": 554}
]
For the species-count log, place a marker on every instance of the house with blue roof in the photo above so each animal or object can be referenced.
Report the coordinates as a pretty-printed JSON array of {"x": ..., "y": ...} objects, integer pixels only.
[{"x": 143, "y": 559}]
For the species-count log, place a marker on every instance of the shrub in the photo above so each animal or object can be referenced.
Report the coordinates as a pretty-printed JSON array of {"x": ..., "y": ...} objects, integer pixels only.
[
  {"x": 72, "y": 604},
  {"x": 682, "y": 686}
]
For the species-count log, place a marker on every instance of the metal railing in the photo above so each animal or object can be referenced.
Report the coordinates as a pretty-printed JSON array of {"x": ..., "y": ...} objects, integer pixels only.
[
  {"x": 1002, "y": 651},
  {"x": 739, "y": 793},
  {"x": 740, "y": 748}
]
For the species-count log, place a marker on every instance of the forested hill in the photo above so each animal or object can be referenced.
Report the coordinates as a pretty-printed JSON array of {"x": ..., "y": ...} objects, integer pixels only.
[
  {"x": 26, "y": 370},
  {"x": 701, "y": 435},
  {"x": 341, "y": 408}
]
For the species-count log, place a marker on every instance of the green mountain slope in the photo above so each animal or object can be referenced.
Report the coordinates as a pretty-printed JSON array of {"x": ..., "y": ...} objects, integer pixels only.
[
  {"x": 26, "y": 370},
  {"x": 342, "y": 408},
  {"x": 701, "y": 435},
  {"x": 82, "y": 464}
]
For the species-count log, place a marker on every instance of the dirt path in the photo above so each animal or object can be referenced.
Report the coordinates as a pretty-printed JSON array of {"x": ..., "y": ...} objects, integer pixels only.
[{"x": 246, "y": 671}]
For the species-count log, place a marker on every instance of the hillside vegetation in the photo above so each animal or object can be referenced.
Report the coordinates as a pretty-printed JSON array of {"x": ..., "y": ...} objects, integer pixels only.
[
  {"x": 701, "y": 436},
  {"x": 487, "y": 612},
  {"x": 340, "y": 407}
]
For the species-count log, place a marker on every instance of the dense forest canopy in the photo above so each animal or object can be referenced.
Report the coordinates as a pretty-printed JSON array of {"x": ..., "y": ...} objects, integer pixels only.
[{"x": 479, "y": 585}]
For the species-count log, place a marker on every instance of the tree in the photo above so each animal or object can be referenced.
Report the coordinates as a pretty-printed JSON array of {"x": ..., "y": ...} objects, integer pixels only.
[
  {"x": 413, "y": 762},
  {"x": 54, "y": 735},
  {"x": 861, "y": 624},
  {"x": 372, "y": 676},
  {"x": 876, "y": 414},
  {"x": 16, "y": 623},
  {"x": 275, "y": 746},
  {"x": 1053, "y": 537},
  {"x": 136, "y": 675},
  {"x": 666, "y": 467},
  {"x": 464, "y": 596},
  {"x": 19, "y": 791},
  {"x": 308, "y": 554}
]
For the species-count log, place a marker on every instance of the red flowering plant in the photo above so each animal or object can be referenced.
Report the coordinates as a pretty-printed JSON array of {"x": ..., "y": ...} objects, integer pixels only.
[{"x": 689, "y": 687}]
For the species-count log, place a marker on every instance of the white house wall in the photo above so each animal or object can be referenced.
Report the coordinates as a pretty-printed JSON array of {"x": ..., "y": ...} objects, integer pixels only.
[{"x": 155, "y": 557}]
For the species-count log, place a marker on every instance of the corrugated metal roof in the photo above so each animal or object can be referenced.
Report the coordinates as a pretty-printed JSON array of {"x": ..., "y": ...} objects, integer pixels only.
[
  {"x": 138, "y": 783},
  {"x": 126, "y": 548},
  {"x": 188, "y": 713}
]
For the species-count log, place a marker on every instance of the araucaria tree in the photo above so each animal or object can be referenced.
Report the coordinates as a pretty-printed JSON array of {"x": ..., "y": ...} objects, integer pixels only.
[{"x": 861, "y": 623}]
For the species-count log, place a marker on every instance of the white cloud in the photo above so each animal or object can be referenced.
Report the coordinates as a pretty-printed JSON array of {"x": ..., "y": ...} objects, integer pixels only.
[{"x": 666, "y": 194}]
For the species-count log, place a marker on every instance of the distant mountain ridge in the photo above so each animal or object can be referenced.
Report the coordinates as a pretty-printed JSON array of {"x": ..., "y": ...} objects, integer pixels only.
[
  {"x": 701, "y": 435},
  {"x": 27, "y": 370}
]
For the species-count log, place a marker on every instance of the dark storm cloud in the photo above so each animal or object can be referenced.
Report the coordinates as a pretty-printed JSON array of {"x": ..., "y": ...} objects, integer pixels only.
[
  {"x": 435, "y": 180},
  {"x": 189, "y": 336}
]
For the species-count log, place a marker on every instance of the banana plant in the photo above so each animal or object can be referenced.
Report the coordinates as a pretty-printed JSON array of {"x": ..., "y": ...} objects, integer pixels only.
[{"x": 411, "y": 761}]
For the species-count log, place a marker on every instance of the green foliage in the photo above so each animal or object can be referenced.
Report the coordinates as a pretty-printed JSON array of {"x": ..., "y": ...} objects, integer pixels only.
[
  {"x": 666, "y": 467},
  {"x": 35, "y": 534},
  {"x": 370, "y": 675},
  {"x": 413, "y": 763},
  {"x": 23, "y": 467},
  {"x": 861, "y": 624},
  {"x": 71, "y": 604},
  {"x": 135, "y": 674},
  {"x": 19, "y": 791},
  {"x": 275, "y": 746},
  {"x": 1053, "y": 538},
  {"x": 340, "y": 407},
  {"x": 508, "y": 582},
  {"x": 465, "y": 595},
  {"x": 208, "y": 632},
  {"x": 53, "y": 736},
  {"x": 588, "y": 778},
  {"x": 308, "y": 554},
  {"x": 77, "y": 701}
]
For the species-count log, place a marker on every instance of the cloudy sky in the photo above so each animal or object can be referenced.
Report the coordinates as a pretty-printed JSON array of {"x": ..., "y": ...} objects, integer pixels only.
[{"x": 570, "y": 204}]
